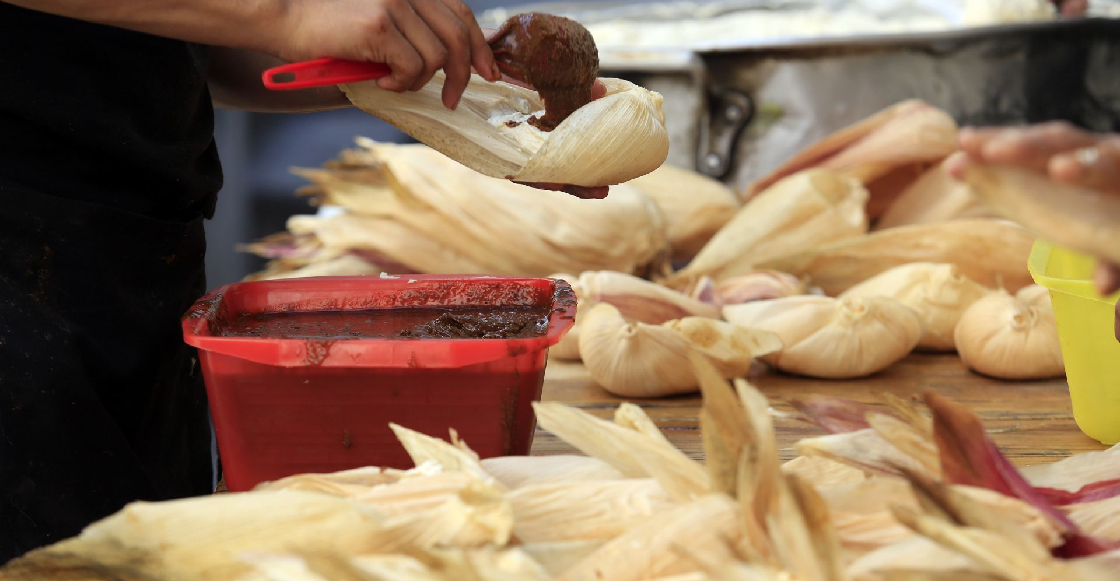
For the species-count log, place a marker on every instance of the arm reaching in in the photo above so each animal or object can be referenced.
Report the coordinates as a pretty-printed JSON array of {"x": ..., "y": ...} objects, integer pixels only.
[
  {"x": 1058, "y": 150},
  {"x": 415, "y": 38}
]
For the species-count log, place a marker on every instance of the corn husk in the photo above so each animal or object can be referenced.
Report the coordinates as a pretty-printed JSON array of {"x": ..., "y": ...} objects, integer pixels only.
[
  {"x": 796, "y": 214},
  {"x": 992, "y": 253},
  {"x": 822, "y": 472},
  {"x": 583, "y": 511},
  {"x": 1072, "y": 473},
  {"x": 203, "y": 538},
  {"x": 1011, "y": 336},
  {"x": 758, "y": 286},
  {"x": 832, "y": 338},
  {"x": 635, "y": 454},
  {"x": 886, "y": 152},
  {"x": 863, "y": 449},
  {"x": 936, "y": 292},
  {"x": 518, "y": 472},
  {"x": 695, "y": 206},
  {"x": 433, "y": 215},
  {"x": 608, "y": 141},
  {"x": 934, "y": 197},
  {"x": 1078, "y": 218},
  {"x": 1100, "y": 518},
  {"x": 640, "y": 360},
  {"x": 707, "y": 524}
]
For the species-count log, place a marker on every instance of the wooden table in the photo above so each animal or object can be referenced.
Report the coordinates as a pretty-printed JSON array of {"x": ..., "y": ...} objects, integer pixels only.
[{"x": 1031, "y": 421}]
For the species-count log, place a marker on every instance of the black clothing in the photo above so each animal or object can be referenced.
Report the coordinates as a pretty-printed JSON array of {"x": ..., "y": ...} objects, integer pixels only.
[{"x": 107, "y": 170}]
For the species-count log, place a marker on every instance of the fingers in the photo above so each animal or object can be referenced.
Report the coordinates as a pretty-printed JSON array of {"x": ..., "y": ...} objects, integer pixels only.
[
  {"x": 482, "y": 58},
  {"x": 392, "y": 48},
  {"x": 1096, "y": 167},
  {"x": 1107, "y": 278},
  {"x": 423, "y": 38},
  {"x": 957, "y": 165},
  {"x": 455, "y": 36},
  {"x": 598, "y": 90},
  {"x": 1026, "y": 147}
]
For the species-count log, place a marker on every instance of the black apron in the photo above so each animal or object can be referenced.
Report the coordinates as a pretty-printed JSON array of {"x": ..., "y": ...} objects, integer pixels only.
[{"x": 107, "y": 171}]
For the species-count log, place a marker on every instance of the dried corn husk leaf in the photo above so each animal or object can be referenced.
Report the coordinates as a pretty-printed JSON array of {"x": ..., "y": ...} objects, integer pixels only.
[
  {"x": 344, "y": 484},
  {"x": 555, "y": 558},
  {"x": 934, "y": 197},
  {"x": 796, "y": 214},
  {"x": 640, "y": 360},
  {"x": 583, "y": 511},
  {"x": 886, "y": 152},
  {"x": 831, "y": 338},
  {"x": 822, "y": 472},
  {"x": 908, "y": 439},
  {"x": 423, "y": 449},
  {"x": 608, "y": 141},
  {"x": 707, "y": 524},
  {"x": 804, "y": 539},
  {"x": 520, "y": 471},
  {"x": 1011, "y": 337},
  {"x": 1100, "y": 518},
  {"x": 915, "y": 552},
  {"x": 758, "y": 286},
  {"x": 633, "y": 453},
  {"x": 936, "y": 292},
  {"x": 435, "y": 215},
  {"x": 861, "y": 449},
  {"x": 1075, "y": 217},
  {"x": 1075, "y": 472},
  {"x": 695, "y": 206},
  {"x": 340, "y": 265},
  {"x": 203, "y": 538},
  {"x": 990, "y": 252}
]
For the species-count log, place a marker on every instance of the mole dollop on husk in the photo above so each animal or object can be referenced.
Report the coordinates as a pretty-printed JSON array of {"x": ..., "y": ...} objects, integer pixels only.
[{"x": 556, "y": 56}]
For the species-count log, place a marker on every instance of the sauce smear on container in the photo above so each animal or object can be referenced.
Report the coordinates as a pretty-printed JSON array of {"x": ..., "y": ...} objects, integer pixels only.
[{"x": 479, "y": 322}]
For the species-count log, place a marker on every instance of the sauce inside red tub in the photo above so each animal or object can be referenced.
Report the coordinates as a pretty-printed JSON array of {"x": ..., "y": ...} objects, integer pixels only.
[{"x": 478, "y": 322}]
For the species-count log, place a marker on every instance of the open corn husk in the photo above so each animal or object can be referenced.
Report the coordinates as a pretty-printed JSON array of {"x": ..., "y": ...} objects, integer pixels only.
[
  {"x": 639, "y": 360},
  {"x": 1078, "y": 218},
  {"x": 695, "y": 206},
  {"x": 934, "y": 197},
  {"x": 936, "y": 292},
  {"x": 990, "y": 252},
  {"x": 886, "y": 152},
  {"x": 832, "y": 338},
  {"x": 519, "y": 471},
  {"x": 593, "y": 510},
  {"x": 1011, "y": 336},
  {"x": 412, "y": 206},
  {"x": 636, "y": 299},
  {"x": 795, "y": 214},
  {"x": 606, "y": 142}
]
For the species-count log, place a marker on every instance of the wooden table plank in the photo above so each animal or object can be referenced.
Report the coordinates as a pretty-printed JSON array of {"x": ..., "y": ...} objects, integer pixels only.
[{"x": 1032, "y": 422}]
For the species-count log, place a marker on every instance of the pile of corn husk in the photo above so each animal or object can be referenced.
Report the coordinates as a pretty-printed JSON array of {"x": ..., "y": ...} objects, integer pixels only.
[
  {"x": 891, "y": 494},
  {"x": 406, "y": 209},
  {"x": 855, "y": 253}
]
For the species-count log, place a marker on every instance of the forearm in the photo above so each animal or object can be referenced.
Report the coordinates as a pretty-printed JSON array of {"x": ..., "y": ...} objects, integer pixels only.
[
  {"x": 248, "y": 24},
  {"x": 235, "y": 83}
]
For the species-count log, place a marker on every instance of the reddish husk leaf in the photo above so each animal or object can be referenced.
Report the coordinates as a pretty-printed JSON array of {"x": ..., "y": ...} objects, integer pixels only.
[
  {"x": 1102, "y": 490},
  {"x": 969, "y": 457},
  {"x": 834, "y": 414}
]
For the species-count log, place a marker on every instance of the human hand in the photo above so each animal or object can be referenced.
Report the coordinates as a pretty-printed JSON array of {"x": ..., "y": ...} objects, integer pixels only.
[
  {"x": 415, "y": 38},
  {"x": 1072, "y": 7},
  {"x": 1058, "y": 150}
]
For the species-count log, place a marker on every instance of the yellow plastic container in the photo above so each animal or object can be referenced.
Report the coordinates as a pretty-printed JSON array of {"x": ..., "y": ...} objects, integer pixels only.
[{"x": 1086, "y": 330}]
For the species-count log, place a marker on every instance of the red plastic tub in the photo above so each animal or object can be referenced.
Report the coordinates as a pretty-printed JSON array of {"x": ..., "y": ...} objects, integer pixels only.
[{"x": 285, "y": 405}]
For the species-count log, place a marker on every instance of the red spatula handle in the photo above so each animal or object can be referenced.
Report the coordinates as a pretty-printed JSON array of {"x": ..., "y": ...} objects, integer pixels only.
[{"x": 321, "y": 72}]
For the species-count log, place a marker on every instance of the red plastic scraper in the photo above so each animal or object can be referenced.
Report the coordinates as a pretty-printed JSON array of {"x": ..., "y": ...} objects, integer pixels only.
[{"x": 320, "y": 73}]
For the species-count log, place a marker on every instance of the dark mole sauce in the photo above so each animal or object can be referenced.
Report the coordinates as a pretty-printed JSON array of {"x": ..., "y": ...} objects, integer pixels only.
[
  {"x": 501, "y": 322},
  {"x": 554, "y": 55}
]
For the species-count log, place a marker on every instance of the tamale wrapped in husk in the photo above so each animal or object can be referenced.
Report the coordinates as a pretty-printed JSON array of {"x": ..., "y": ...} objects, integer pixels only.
[
  {"x": 607, "y": 141},
  {"x": 695, "y": 206}
]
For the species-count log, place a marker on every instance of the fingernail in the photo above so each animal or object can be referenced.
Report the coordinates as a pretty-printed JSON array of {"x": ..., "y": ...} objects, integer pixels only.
[{"x": 496, "y": 72}]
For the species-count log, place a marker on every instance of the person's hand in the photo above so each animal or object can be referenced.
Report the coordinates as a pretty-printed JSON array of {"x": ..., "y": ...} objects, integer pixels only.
[
  {"x": 1071, "y": 7},
  {"x": 415, "y": 38},
  {"x": 1060, "y": 151}
]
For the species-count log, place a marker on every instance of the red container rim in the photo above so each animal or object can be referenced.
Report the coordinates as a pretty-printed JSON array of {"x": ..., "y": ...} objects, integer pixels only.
[{"x": 354, "y": 292}]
